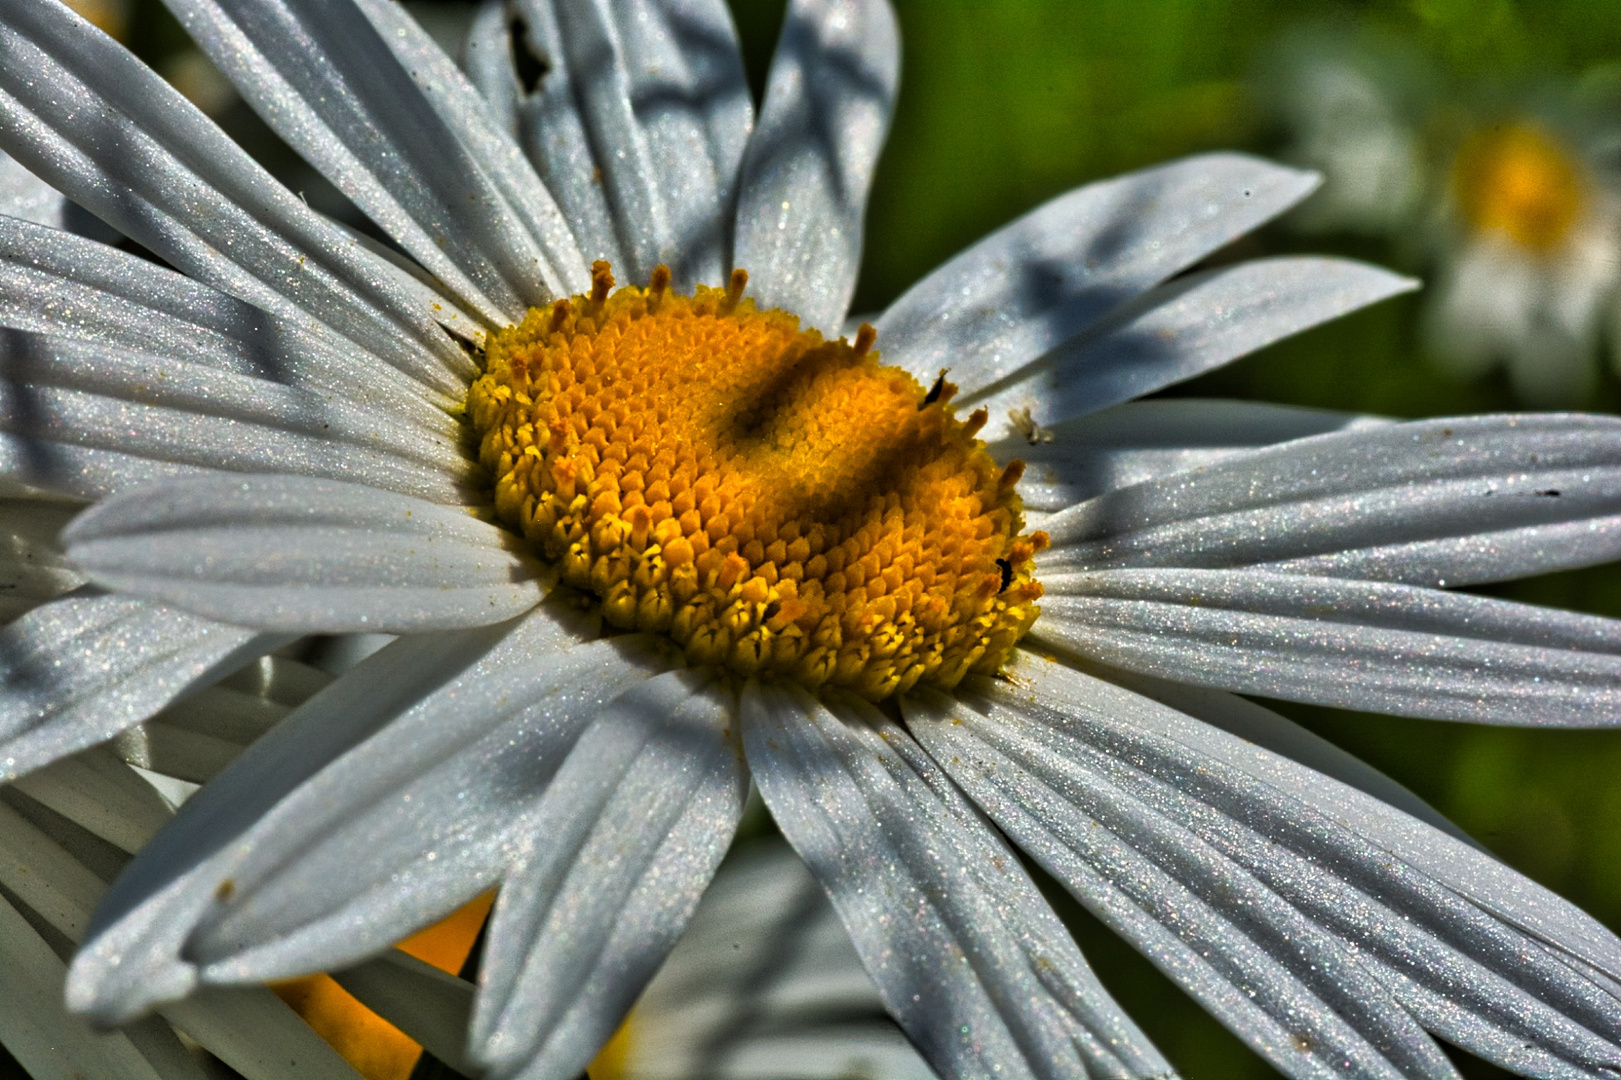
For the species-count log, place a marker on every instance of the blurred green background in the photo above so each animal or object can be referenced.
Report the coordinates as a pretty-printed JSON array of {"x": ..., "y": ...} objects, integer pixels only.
[{"x": 1005, "y": 103}]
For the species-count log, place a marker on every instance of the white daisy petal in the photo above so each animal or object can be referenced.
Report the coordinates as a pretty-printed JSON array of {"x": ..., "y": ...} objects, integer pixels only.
[
  {"x": 84, "y": 114},
  {"x": 1356, "y": 644},
  {"x": 664, "y": 105},
  {"x": 1031, "y": 285},
  {"x": 966, "y": 954},
  {"x": 139, "y": 417},
  {"x": 552, "y": 130},
  {"x": 1181, "y": 329},
  {"x": 24, "y": 195},
  {"x": 1085, "y": 752},
  {"x": 765, "y": 983},
  {"x": 46, "y": 1041},
  {"x": 98, "y": 792},
  {"x": 1248, "y": 721},
  {"x": 416, "y": 767},
  {"x": 81, "y": 669},
  {"x": 57, "y": 283},
  {"x": 488, "y": 59},
  {"x": 303, "y": 555},
  {"x": 829, "y": 97},
  {"x": 1434, "y": 502},
  {"x": 1144, "y": 440},
  {"x": 363, "y": 93},
  {"x": 615, "y": 857},
  {"x": 32, "y": 567}
]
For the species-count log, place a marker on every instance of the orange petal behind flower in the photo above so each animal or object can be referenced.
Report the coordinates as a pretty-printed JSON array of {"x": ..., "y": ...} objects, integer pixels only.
[{"x": 377, "y": 1049}]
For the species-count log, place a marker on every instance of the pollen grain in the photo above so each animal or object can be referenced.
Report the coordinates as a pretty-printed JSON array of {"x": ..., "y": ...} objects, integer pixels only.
[{"x": 776, "y": 503}]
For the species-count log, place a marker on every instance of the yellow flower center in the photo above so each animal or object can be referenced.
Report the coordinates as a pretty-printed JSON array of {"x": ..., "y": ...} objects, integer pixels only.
[
  {"x": 774, "y": 502},
  {"x": 1520, "y": 181}
]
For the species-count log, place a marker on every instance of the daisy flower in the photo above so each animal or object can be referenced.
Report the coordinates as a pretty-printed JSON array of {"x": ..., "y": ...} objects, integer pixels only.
[
  {"x": 1517, "y": 207},
  {"x": 1535, "y": 261},
  {"x": 589, "y": 438}
]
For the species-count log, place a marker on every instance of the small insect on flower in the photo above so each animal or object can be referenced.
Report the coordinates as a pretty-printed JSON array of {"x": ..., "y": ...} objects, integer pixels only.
[{"x": 649, "y": 528}]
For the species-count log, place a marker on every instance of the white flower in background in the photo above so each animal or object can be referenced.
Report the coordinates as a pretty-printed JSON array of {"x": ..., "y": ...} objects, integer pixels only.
[
  {"x": 1534, "y": 262},
  {"x": 1519, "y": 221},
  {"x": 1348, "y": 114},
  {"x": 766, "y": 555}
]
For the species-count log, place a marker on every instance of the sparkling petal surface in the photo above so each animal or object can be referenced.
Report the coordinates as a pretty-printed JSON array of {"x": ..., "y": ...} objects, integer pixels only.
[
  {"x": 80, "y": 111},
  {"x": 621, "y": 846},
  {"x": 968, "y": 957},
  {"x": 1172, "y": 831},
  {"x": 829, "y": 96},
  {"x": 1033, "y": 284},
  {"x": 1357, "y": 644},
  {"x": 312, "y": 556},
  {"x": 81, "y": 669}
]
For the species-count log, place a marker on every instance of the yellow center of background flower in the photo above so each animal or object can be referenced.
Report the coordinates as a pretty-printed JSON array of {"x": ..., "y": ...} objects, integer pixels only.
[
  {"x": 774, "y": 502},
  {"x": 1520, "y": 181}
]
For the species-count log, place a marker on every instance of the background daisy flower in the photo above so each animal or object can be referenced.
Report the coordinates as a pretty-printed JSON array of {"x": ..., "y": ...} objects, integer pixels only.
[
  {"x": 1510, "y": 195},
  {"x": 275, "y": 442}
]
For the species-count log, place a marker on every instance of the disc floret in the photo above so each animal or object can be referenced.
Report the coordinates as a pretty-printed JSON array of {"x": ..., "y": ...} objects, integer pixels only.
[{"x": 776, "y": 503}]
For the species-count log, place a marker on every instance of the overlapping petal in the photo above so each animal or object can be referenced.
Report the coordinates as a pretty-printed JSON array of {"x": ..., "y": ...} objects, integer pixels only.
[
  {"x": 765, "y": 982},
  {"x": 661, "y": 113},
  {"x": 614, "y": 858},
  {"x": 1358, "y": 644},
  {"x": 1271, "y": 893},
  {"x": 1071, "y": 462},
  {"x": 1039, "y": 281},
  {"x": 829, "y": 97},
  {"x": 52, "y": 282},
  {"x": 363, "y": 93},
  {"x": 966, "y": 953},
  {"x": 1433, "y": 502},
  {"x": 89, "y": 420},
  {"x": 86, "y": 116},
  {"x": 421, "y": 762},
  {"x": 53, "y": 871},
  {"x": 310, "y": 556},
  {"x": 79, "y": 670},
  {"x": 1181, "y": 329}
]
